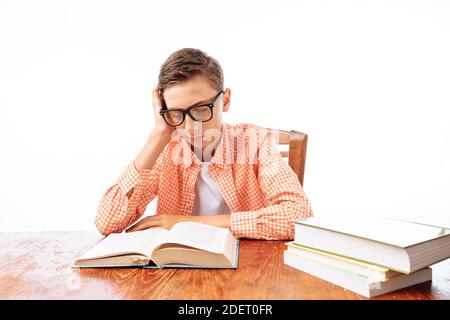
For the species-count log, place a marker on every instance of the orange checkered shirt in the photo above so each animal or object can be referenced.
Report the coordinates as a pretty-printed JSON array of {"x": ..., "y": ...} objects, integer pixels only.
[{"x": 262, "y": 191}]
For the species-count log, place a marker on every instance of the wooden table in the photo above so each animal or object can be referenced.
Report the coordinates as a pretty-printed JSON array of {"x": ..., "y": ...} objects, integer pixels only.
[{"x": 38, "y": 266}]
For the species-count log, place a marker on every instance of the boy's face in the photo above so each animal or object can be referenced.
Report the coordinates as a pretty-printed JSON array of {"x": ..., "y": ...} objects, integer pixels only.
[{"x": 192, "y": 93}]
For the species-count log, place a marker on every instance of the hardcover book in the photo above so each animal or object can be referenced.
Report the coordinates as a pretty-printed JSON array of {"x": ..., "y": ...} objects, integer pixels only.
[{"x": 186, "y": 245}]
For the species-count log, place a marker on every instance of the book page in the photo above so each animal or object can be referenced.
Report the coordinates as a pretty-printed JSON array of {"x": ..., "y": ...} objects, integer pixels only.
[
  {"x": 198, "y": 235},
  {"x": 141, "y": 242}
]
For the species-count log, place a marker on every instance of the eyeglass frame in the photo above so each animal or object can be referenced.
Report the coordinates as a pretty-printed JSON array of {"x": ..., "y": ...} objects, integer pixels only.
[{"x": 188, "y": 111}]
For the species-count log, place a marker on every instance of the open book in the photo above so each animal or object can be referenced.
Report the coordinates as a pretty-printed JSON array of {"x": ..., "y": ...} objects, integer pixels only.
[{"x": 186, "y": 245}]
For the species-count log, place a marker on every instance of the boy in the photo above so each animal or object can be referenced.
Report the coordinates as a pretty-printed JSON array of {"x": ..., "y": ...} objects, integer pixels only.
[{"x": 202, "y": 169}]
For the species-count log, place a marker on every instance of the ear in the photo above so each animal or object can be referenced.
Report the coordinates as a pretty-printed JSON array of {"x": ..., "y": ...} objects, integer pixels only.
[{"x": 226, "y": 100}]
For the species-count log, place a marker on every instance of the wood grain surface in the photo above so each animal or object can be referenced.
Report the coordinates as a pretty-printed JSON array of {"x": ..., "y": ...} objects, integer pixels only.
[{"x": 37, "y": 265}]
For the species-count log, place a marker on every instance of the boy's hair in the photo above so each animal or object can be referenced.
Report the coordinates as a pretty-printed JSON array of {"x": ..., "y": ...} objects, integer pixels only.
[{"x": 190, "y": 63}]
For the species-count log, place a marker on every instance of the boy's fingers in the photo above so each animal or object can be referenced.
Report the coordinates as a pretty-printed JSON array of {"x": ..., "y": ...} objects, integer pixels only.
[
  {"x": 144, "y": 224},
  {"x": 140, "y": 226},
  {"x": 156, "y": 97}
]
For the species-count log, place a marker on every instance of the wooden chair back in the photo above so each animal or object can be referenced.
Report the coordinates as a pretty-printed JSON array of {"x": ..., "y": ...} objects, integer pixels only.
[{"x": 296, "y": 153}]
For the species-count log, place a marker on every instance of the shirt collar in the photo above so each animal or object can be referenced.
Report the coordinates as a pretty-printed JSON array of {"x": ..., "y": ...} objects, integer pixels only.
[{"x": 222, "y": 156}]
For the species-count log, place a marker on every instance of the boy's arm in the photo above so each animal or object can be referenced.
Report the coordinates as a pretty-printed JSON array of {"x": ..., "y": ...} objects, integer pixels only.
[
  {"x": 287, "y": 200},
  {"x": 125, "y": 201}
]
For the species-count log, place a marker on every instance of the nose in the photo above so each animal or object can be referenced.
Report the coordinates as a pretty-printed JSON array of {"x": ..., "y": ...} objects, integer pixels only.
[{"x": 193, "y": 128}]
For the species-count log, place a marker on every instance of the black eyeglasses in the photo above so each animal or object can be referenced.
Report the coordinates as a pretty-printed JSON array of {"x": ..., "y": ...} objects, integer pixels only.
[{"x": 201, "y": 112}]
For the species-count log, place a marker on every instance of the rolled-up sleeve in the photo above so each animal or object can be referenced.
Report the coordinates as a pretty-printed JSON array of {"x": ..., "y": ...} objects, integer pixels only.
[
  {"x": 284, "y": 193},
  {"x": 125, "y": 201}
]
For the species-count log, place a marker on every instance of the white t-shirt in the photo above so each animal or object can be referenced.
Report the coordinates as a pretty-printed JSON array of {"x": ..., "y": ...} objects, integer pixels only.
[{"x": 208, "y": 199}]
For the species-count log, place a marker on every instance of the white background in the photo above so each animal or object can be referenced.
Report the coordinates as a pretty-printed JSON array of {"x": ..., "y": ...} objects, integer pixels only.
[{"x": 367, "y": 80}]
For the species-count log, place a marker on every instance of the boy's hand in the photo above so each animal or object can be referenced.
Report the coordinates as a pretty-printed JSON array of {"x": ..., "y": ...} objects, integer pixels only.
[
  {"x": 165, "y": 221},
  {"x": 158, "y": 138},
  {"x": 160, "y": 125}
]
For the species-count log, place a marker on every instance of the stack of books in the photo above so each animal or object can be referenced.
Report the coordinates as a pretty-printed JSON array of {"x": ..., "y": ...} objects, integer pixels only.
[{"x": 366, "y": 254}]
